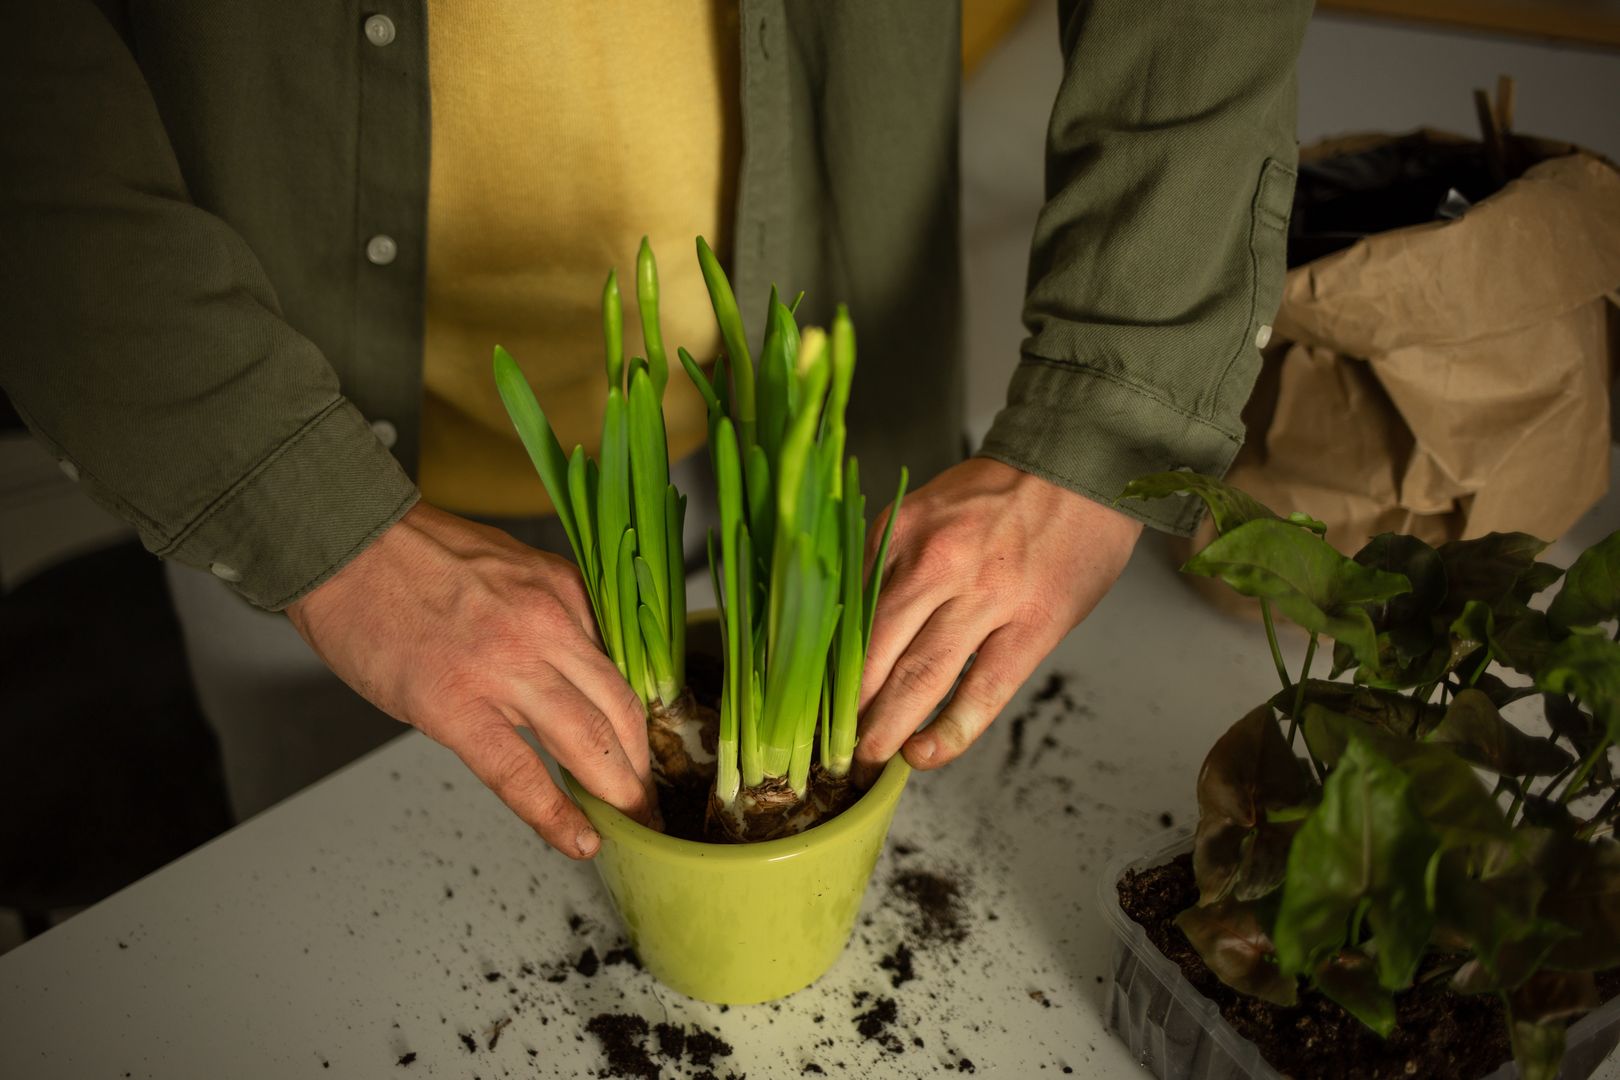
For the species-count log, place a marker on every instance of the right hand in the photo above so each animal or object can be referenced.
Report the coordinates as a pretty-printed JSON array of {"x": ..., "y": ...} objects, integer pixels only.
[{"x": 466, "y": 634}]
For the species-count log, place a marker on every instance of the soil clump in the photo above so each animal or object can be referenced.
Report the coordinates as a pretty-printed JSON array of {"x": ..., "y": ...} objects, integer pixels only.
[{"x": 942, "y": 917}]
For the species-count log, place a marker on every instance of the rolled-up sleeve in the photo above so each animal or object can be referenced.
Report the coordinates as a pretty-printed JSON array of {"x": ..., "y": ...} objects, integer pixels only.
[
  {"x": 1158, "y": 258},
  {"x": 143, "y": 343}
]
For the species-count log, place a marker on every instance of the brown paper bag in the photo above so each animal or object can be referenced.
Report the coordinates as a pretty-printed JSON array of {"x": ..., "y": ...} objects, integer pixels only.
[{"x": 1448, "y": 379}]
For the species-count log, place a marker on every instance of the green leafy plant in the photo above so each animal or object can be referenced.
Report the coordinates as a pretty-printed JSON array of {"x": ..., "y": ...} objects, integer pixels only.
[
  {"x": 624, "y": 521},
  {"x": 796, "y": 602},
  {"x": 1366, "y": 835}
]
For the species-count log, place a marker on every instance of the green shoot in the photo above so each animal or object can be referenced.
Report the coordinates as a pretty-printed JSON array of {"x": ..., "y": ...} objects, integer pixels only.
[
  {"x": 622, "y": 516},
  {"x": 796, "y": 607},
  {"x": 649, "y": 476},
  {"x": 652, "y": 334},
  {"x": 699, "y": 380},
  {"x": 580, "y": 489},
  {"x": 658, "y": 655},
  {"x": 801, "y": 606},
  {"x": 675, "y": 624},
  {"x": 850, "y": 662},
  {"x": 613, "y": 330},
  {"x": 539, "y": 440},
  {"x": 843, "y": 374},
  {"x": 635, "y": 657},
  {"x": 752, "y": 658},
  {"x": 612, "y": 519},
  {"x": 735, "y": 337},
  {"x": 874, "y": 581},
  {"x": 775, "y": 374}
]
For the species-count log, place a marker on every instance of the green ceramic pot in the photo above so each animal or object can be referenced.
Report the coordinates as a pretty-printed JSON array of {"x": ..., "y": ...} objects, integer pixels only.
[{"x": 738, "y": 924}]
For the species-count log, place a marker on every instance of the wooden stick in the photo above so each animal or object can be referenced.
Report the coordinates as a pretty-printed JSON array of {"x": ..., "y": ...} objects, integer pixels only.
[
  {"x": 1512, "y": 158},
  {"x": 1504, "y": 104},
  {"x": 1489, "y": 134}
]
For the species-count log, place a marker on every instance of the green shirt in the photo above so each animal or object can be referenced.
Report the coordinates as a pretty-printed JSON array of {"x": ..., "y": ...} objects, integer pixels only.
[{"x": 212, "y": 221}]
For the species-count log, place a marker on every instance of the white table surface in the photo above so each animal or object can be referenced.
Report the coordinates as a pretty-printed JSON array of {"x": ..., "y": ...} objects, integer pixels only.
[{"x": 363, "y": 919}]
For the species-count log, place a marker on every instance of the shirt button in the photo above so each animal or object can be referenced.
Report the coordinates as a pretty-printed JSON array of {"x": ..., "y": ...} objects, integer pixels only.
[
  {"x": 1262, "y": 337},
  {"x": 69, "y": 470},
  {"x": 386, "y": 433},
  {"x": 225, "y": 573},
  {"x": 380, "y": 30},
  {"x": 381, "y": 249}
]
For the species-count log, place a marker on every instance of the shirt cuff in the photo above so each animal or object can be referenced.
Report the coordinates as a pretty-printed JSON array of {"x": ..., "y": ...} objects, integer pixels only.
[
  {"x": 1093, "y": 433},
  {"x": 302, "y": 513}
]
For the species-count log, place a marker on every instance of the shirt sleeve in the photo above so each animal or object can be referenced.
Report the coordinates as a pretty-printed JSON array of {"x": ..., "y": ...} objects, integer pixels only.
[
  {"x": 144, "y": 344},
  {"x": 1158, "y": 258}
]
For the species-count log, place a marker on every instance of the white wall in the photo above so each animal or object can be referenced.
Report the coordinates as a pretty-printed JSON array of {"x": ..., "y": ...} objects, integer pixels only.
[
  {"x": 1355, "y": 75},
  {"x": 1370, "y": 75}
]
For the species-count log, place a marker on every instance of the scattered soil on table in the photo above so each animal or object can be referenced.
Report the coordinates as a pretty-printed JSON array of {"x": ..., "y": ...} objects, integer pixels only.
[
  {"x": 874, "y": 1023},
  {"x": 934, "y": 917},
  {"x": 1052, "y": 689},
  {"x": 927, "y": 907},
  {"x": 405, "y": 1059},
  {"x": 621, "y": 955},
  {"x": 624, "y": 1041},
  {"x": 899, "y": 962},
  {"x": 631, "y": 1053},
  {"x": 941, "y": 915},
  {"x": 1052, "y": 699},
  {"x": 1438, "y": 1032},
  {"x": 671, "y": 1040},
  {"x": 704, "y": 1046}
]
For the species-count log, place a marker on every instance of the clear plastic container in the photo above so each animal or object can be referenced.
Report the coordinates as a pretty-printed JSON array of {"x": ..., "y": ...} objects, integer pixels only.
[{"x": 1179, "y": 1034}]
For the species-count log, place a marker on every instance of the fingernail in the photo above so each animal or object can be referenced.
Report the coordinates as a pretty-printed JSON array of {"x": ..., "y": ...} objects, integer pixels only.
[
  {"x": 587, "y": 842},
  {"x": 924, "y": 749}
]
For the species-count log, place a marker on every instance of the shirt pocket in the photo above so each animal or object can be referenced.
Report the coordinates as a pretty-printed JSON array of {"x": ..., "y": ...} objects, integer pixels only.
[{"x": 1268, "y": 243}]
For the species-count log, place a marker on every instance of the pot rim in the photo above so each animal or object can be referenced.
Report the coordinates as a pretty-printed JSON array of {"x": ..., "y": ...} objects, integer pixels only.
[{"x": 873, "y": 803}]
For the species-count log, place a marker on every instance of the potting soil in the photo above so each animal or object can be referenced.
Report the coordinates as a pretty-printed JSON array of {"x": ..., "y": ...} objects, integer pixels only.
[{"x": 1438, "y": 1032}]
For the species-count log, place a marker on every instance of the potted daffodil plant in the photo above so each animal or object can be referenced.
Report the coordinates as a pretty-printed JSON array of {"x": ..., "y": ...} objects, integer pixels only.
[{"x": 753, "y": 892}]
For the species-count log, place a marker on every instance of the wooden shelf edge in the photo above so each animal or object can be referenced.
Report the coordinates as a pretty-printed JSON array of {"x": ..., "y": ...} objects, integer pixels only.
[{"x": 1593, "y": 23}]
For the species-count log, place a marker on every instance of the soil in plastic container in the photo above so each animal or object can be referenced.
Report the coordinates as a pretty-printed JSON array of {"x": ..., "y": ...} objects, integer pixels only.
[{"x": 1438, "y": 1032}]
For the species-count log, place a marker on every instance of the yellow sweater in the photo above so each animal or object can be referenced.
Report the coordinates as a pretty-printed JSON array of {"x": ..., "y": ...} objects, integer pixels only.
[{"x": 562, "y": 132}]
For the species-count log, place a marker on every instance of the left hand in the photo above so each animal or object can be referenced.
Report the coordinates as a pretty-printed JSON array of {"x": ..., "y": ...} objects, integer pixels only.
[{"x": 986, "y": 560}]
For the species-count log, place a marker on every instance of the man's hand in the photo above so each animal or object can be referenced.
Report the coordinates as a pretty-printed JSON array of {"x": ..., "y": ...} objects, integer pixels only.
[
  {"x": 989, "y": 560},
  {"x": 461, "y": 631}
]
